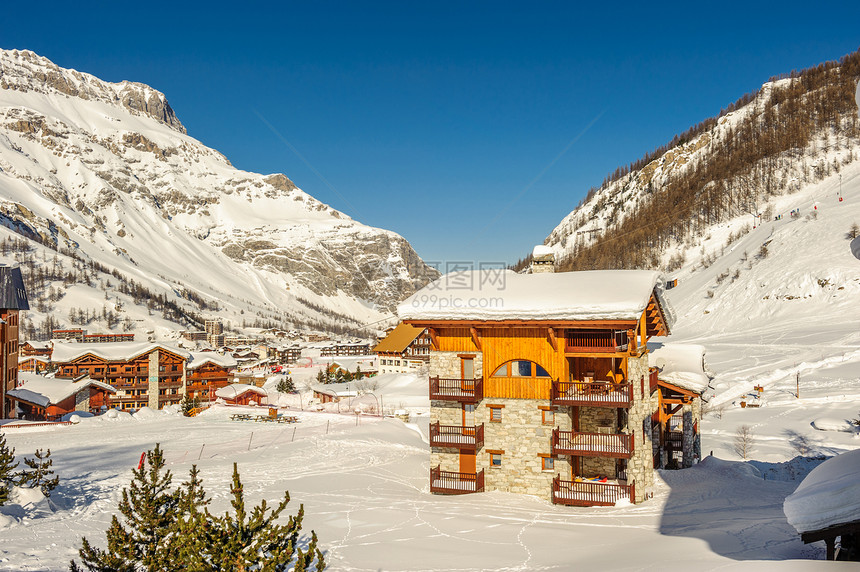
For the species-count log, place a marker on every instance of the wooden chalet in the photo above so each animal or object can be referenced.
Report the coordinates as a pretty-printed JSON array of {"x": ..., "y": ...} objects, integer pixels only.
[
  {"x": 242, "y": 394},
  {"x": 48, "y": 399},
  {"x": 208, "y": 372},
  {"x": 540, "y": 383},
  {"x": 34, "y": 364},
  {"x": 144, "y": 374},
  {"x": 34, "y": 348},
  {"x": 340, "y": 349},
  {"x": 13, "y": 299},
  {"x": 405, "y": 349}
]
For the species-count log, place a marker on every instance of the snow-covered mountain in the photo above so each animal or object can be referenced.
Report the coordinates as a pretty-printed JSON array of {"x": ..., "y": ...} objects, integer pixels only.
[{"x": 105, "y": 175}]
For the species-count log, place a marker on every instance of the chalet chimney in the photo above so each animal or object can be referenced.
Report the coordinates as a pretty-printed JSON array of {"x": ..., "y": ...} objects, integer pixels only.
[{"x": 543, "y": 260}]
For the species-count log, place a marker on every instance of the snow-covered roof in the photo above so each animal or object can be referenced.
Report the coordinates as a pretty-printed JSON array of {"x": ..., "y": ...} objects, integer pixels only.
[
  {"x": 42, "y": 359},
  {"x": 680, "y": 364},
  {"x": 506, "y": 295},
  {"x": 117, "y": 351},
  {"x": 38, "y": 345},
  {"x": 334, "y": 389},
  {"x": 234, "y": 390},
  {"x": 541, "y": 250},
  {"x": 829, "y": 495},
  {"x": 200, "y": 358},
  {"x": 44, "y": 391}
]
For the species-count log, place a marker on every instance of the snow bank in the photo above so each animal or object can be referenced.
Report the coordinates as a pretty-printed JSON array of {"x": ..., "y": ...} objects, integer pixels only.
[
  {"x": 830, "y": 495},
  {"x": 833, "y": 424}
]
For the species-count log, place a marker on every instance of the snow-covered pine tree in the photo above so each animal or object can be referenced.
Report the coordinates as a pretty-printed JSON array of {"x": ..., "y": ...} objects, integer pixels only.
[
  {"x": 7, "y": 469},
  {"x": 146, "y": 541},
  {"x": 257, "y": 542},
  {"x": 40, "y": 475}
]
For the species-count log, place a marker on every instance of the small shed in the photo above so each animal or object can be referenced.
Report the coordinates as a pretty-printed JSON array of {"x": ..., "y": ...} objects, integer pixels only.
[{"x": 242, "y": 394}]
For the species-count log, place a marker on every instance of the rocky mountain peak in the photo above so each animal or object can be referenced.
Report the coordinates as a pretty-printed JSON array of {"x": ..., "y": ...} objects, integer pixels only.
[{"x": 25, "y": 71}]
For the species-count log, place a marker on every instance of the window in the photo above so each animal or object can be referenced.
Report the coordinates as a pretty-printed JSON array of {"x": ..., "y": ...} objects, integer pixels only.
[
  {"x": 467, "y": 367},
  {"x": 520, "y": 368},
  {"x": 495, "y": 459},
  {"x": 547, "y": 416},
  {"x": 495, "y": 413},
  {"x": 547, "y": 464}
]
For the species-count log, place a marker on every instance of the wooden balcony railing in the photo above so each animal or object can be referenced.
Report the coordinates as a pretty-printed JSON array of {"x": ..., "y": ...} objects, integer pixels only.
[
  {"x": 617, "y": 445},
  {"x": 463, "y": 390},
  {"x": 652, "y": 379},
  {"x": 449, "y": 483},
  {"x": 587, "y": 493},
  {"x": 459, "y": 436},
  {"x": 598, "y": 341},
  {"x": 593, "y": 393}
]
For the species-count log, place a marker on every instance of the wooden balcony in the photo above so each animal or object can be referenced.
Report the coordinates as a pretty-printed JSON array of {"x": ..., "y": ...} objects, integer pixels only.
[
  {"x": 450, "y": 483},
  {"x": 458, "y": 436},
  {"x": 588, "y": 493},
  {"x": 592, "y": 393},
  {"x": 597, "y": 341},
  {"x": 462, "y": 390},
  {"x": 617, "y": 445}
]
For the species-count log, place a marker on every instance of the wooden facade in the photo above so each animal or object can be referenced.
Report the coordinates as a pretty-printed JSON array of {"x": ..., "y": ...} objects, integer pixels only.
[
  {"x": 131, "y": 377},
  {"x": 8, "y": 355},
  {"x": 588, "y": 376},
  {"x": 207, "y": 378}
]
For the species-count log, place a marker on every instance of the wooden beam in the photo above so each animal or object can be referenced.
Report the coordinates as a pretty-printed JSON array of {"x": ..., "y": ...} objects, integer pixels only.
[
  {"x": 434, "y": 340},
  {"x": 584, "y": 324},
  {"x": 552, "y": 339},
  {"x": 476, "y": 337}
]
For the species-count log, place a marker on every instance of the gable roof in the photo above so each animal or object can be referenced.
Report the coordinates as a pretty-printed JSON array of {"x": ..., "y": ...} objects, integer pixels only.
[
  {"x": 65, "y": 352},
  {"x": 234, "y": 390},
  {"x": 200, "y": 358},
  {"x": 488, "y": 295},
  {"x": 399, "y": 338}
]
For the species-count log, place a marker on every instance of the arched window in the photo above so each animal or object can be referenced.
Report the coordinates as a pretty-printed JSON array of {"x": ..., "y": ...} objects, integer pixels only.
[{"x": 520, "y": 368}]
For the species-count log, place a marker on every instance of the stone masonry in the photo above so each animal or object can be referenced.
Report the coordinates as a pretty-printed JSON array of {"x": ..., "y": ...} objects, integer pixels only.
[
  {"x": 152, "y": 389},
  {"x": 82, "y": 400},
  {"x": 448, "y": 364}
]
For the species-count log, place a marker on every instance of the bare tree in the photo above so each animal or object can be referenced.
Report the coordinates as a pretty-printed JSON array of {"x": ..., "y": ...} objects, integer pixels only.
[{"x": 744, "y": 441}]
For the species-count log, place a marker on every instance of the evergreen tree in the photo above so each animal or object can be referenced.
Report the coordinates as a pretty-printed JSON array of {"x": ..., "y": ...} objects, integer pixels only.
[
  {"x": 188, "y": 403},
  {"x": 40, "y": 476},
  {"x": 322, "y": 377},
  {"x": 147, "y": 539},
  {"x": 238, "y": 542},
  {"x": 286, "y": 385},
  {"x": 7, "y": 469}
]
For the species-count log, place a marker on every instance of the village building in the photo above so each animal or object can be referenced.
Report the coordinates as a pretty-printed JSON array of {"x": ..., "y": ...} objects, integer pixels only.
[
  {"x": 333, "y": 392},
  {"x": 242, "y": 394},
  {"x": 34, "y": 348},
  {"x": 13, "y": 299},
  {"x": 144, "y": 374},
  {"x": 288, "y": 354},
  {"x": 34, "y": 364},
  {"x": 208, "y": 372},
  {"x": 72, "y": 334},
  {"x": 406, "y": 349},
  {"x": 681, "y": 380},
  {"x": 540, "y": 383},
  {"x": 340, "y": 349},
  {"x": 194, "y": 335},
  {"x": 39, "y": 398}
]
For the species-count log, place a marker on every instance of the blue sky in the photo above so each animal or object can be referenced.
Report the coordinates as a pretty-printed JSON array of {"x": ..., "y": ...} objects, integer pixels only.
[{"x": 445, "y": 122}]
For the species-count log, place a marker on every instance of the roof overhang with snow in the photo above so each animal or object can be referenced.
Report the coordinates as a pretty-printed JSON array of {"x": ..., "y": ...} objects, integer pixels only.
[
  {"x": 65, "y": 352},
  {"x": 617, "y": 298}
]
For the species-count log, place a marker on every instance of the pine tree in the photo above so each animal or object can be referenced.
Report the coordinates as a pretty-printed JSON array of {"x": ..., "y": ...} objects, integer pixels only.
[
  {"x": 147, "y": 539},
  {"x": 40, "y": 476},
  {"x": 192, "y": 521},
  {"x": 188, "y": 403},
  {"x": 7, "y": 469},
  {"x": 242, "y": 542},
  {"x": 286, "y": 385}
]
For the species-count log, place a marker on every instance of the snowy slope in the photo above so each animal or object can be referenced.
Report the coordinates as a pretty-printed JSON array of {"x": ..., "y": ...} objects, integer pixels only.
[{"x": 106, "y": 171}]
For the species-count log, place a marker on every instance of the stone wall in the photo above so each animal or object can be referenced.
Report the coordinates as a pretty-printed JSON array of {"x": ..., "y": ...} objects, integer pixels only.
[
  {"x": 692, "y": 443},
  {"x": 152, "y": 388},
  {"x": 448, "y": 364},
  {"x": 640, "y": 467},
  {"x": 522, "y": 436},
  {"x": 82, "y": 400}
]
